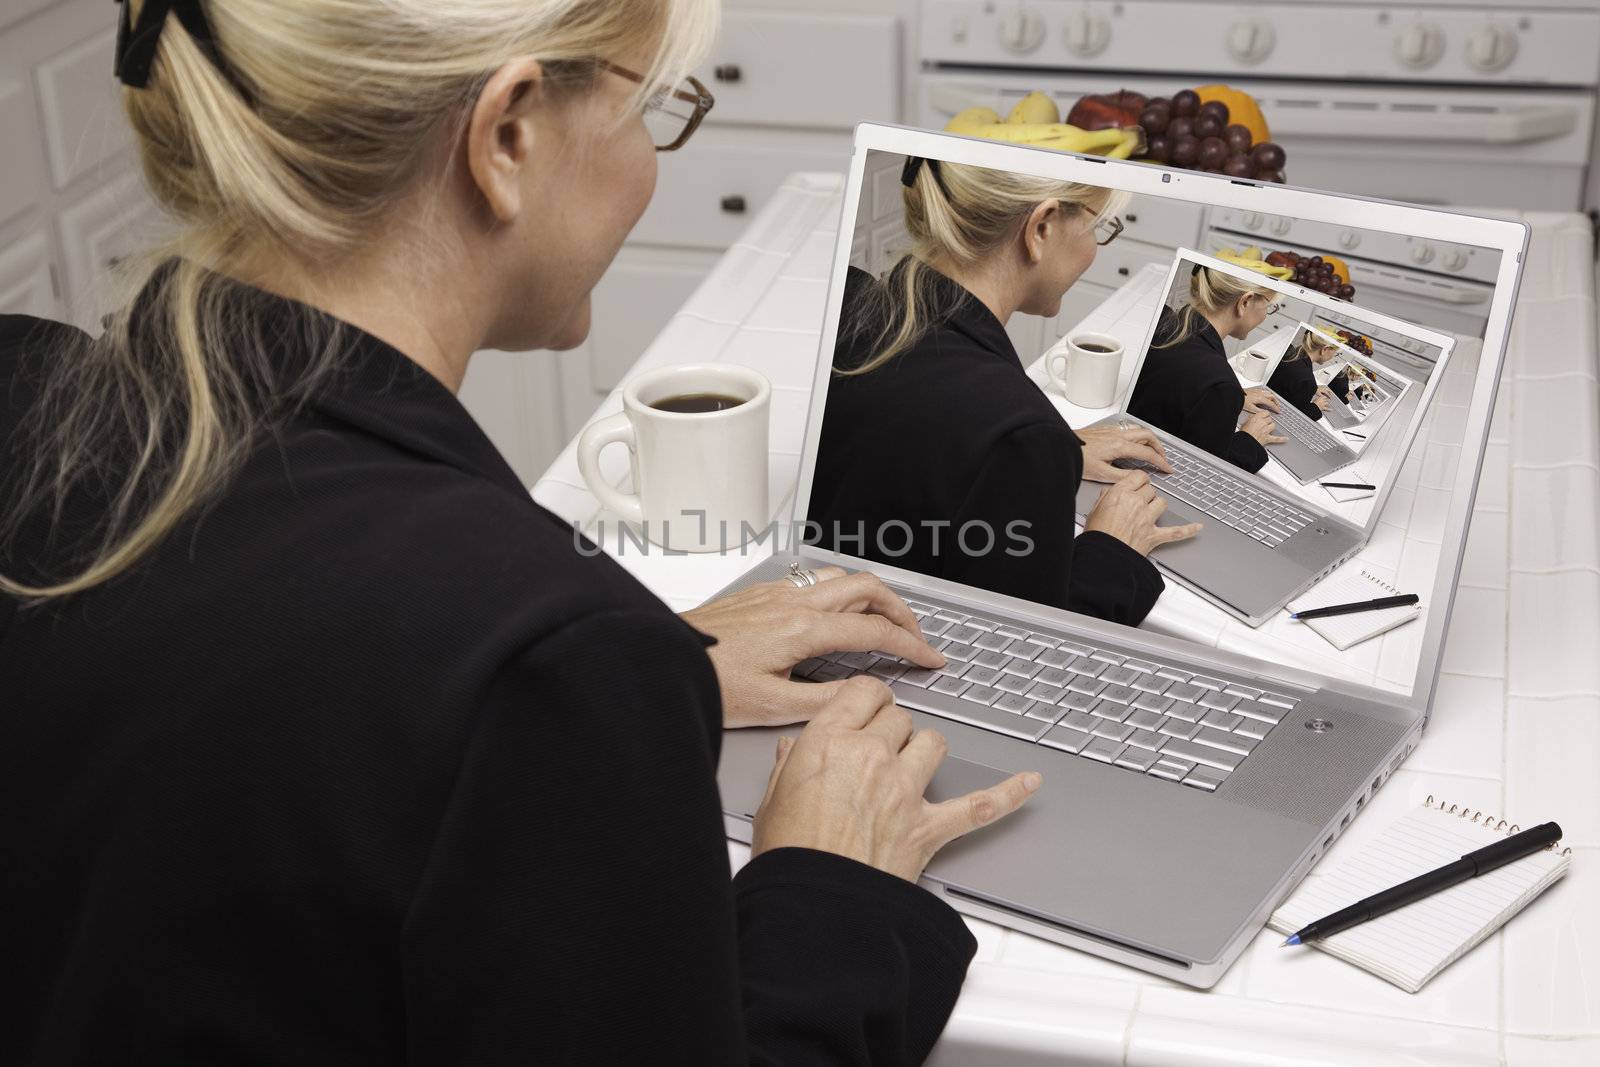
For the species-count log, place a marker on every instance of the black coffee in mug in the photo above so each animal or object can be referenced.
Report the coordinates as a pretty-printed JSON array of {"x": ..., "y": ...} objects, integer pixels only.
[
  {"x": 1090, "y": 346},
  {"x": 697, "y": 403}
]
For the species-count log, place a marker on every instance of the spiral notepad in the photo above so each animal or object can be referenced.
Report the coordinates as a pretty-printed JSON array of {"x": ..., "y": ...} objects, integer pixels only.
[
  {"x": 1349, "y": 586},
  {"x": 1409, "y": 946}
]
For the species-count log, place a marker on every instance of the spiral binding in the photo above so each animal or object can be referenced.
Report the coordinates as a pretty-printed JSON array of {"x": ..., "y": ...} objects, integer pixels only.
[
  {"x": 1379, "y": 582},
  {"x": 1492, "y": 822}
]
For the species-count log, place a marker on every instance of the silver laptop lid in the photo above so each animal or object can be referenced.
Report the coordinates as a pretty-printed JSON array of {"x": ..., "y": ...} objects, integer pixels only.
[
  {"x": 1384, "y": 445},
  {"x": 1420, "y": 550}
]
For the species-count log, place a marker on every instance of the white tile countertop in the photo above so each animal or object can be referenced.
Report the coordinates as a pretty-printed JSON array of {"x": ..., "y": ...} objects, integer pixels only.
[{"x": 1515, "y": 727}]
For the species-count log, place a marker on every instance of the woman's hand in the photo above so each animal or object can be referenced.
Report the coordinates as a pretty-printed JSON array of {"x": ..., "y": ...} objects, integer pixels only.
[
  {"x": 1128, "y": 511},
  {"x": 1261, "y": 426},
  {"x": 1260, "y": 399},
  {"x": 1322, "y": 397},
  {"x": 853, "y": 782},
  {"x": 1102, "y": 444},
  {"x": 763, "y": 631}
]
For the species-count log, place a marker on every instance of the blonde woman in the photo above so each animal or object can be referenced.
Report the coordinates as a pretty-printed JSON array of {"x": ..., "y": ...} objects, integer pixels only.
[
  {"x": 940, "y": 455},
  {"x": 323, "y": 743},
  {"x": 1294, "y": 378},
  {"x": 1186, "y": 385}
]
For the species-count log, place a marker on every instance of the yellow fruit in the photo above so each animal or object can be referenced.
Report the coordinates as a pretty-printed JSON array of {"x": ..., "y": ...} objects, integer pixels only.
[
  {"x": 1250, "y": 259},
  {"x": 1341, "y": 269},
  {"x": 972, "y": 117},
  {"x": 1035, "y": 107},
  {"x": 1242, "y": 108},
  {"x": 1052, "y": 135},
  {"x": 1132, "y": 141}
]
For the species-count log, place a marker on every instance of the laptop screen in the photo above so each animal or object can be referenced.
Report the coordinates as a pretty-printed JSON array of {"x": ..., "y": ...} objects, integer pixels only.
[
  {"x": 988, "y": 318},
  {"x": 1324, "y": 358}
]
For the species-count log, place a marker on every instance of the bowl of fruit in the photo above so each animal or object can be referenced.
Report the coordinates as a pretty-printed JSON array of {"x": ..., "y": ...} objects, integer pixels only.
[
  {"x": 1325, "y": 274},
  {"x": 1214, "y": 129}
]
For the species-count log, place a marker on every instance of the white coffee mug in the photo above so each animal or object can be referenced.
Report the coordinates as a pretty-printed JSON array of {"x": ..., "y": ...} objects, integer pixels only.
[
  {"x": 1087, "y": 378},
  {"x": 699, "y": 478},
  {"x": 1253, "y": 365}
]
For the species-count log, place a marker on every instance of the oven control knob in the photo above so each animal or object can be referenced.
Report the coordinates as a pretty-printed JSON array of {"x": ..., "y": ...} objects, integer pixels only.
[
  {"x": 1454, "y": 259},
  {"x": 1421, "y": 254},
  {"x": 1491, "y": 48},
  {"x": 1087, "y": 33},
  {"x": 1281, "y": 225},
  {"x": 1252, "y": 220},
  {"x": 1419, "y": 46},
  {"x": 1250, "y": 40},
  {"x": 1021, "y": 30},
  {"x": 1349, "y": 239}
]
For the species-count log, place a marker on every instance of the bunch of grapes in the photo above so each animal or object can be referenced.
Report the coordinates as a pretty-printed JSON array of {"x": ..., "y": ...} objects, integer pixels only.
[
  {"x": 1314, "y": 272},
  {"x": 1183, "y": 132}
]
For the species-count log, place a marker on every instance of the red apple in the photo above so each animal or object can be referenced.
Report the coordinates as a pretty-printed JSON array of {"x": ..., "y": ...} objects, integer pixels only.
[{"x": 1103, "y": 111}]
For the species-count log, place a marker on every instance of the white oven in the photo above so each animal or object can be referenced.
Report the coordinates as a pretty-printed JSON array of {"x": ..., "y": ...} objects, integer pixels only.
[{"x": 1428, "y": 101}]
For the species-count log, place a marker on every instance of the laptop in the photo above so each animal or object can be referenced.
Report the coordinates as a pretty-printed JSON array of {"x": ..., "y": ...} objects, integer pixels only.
[
  {"x": 1310, "y": 452},
  {"x": 1187, "y": 787},
  {"x": 1264, "y": 544}
]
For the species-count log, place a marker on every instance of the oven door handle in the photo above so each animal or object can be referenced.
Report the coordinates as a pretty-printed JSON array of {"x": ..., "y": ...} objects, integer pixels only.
[
  {"x": 1518, "y": 125},
  {"x": 1429, "y": 123}
]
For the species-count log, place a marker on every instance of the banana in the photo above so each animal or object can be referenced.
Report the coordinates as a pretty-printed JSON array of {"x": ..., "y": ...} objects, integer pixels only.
[
  {"x": 972, "y": 117},
  {"x": 1251, "y": 259},
  {"x": 1052, "y": 135},
  {"x": 1132, "y": 141},
  {"x": 1035, "y": 107}
]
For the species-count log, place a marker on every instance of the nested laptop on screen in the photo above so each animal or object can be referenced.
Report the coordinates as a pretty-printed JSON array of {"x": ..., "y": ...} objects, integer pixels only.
[
  {"x": 1264, "y": 543},
  {"x": 1200, "y": 749}
]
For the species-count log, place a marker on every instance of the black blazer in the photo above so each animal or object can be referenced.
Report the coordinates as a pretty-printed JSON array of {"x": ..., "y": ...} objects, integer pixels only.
[
  {"x": 952, "y": 432},
  {"x": 375, "y": 761},
  {"x": 1190, "y": 391},
  {"x": 1295, "y": 381}
]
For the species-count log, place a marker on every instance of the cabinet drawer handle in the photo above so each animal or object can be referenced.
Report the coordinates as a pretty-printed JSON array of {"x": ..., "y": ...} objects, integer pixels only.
[
  {"x": 1122, "y": 271},
  {"x": 733, "y": 205},
  {"x": 728, "y": 72},
  {"x": 1131, "y": 217}
]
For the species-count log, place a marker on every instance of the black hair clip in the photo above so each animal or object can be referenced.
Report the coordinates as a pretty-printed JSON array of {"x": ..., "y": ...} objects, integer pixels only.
[
  {"x": 908, "y": 173},
  {"x": 136, "y": 44}
]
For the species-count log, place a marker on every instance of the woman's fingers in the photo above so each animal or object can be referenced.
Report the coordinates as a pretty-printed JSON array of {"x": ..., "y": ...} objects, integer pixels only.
[
  {"x": 864, "y": 592},
  {"x": 832, "y": 631},
  {"x": 962, "y": 815},
  {"x": 1141, "y": 450},
  {"x": 892, "y": 723},
  {"x": 828, "y": 574},
  {"x": 855, "y": 702},
  {"x": 1165, "y": 535},
  {"x": 923, "y": 754}
]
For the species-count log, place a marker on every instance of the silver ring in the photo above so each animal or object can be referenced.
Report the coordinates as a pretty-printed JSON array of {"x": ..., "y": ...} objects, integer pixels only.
[{"x": 800, "y": 577}]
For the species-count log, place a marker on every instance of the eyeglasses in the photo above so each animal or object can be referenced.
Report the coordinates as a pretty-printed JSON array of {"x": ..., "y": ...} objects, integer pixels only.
[
  {"x": 671, "y": 115},
  {"x": 1107, "y": 230}
]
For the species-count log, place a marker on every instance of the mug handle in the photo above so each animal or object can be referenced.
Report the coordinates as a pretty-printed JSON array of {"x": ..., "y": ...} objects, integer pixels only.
[
  {"x": 614, "y": 429},
  {"x": 1057, "y": 380}
]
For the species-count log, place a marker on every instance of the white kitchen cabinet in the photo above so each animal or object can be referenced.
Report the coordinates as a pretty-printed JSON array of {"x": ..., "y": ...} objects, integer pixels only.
[
  {"x": 791, "y": 83},
  {"x": 25, "y": 280}
]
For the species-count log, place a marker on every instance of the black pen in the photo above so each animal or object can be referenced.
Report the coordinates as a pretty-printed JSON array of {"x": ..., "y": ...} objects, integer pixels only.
[
  {"x": 1348, "y": 485},
  {"x": 1352, "y": 433},
  {"x": 1360, "y": 605},
  {"x": 1471, "y": 865}
]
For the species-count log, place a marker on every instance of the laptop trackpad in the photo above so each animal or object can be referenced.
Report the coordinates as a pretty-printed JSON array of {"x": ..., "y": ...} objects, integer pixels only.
[{"x": 957, "y": 777}]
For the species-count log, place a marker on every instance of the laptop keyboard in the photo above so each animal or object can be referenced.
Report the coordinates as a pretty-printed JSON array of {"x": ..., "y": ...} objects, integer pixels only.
[
  {"x": 1233, "y": 503},
  {"x": 1131, "y": 712},
  {"x": 1297, "y": 427}
]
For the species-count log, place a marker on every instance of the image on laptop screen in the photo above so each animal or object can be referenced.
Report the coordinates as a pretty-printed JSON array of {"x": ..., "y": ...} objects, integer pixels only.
[
  {"x": 1330, "y": 383},
  {"x": 947, "y": 426}
]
